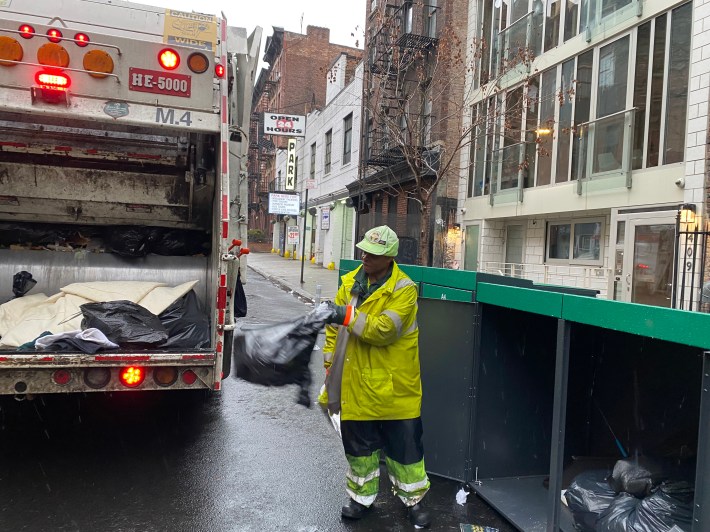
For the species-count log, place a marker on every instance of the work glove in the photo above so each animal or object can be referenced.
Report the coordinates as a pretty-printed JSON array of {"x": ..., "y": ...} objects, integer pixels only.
[{"x": 338, "y": 314}]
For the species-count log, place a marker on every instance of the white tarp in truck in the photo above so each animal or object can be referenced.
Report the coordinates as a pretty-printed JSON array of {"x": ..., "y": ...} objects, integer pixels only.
[{"x": 115, "y": 118}]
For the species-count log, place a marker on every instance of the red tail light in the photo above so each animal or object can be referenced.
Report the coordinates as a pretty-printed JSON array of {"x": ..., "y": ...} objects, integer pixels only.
[
  {"x": 61, "y": 376},
  {"x": 132, "y": 376},
  {"x": 26, "y": 31},
  {"x": 189, "y": 377},
  {"x": 169, "y": 59},
  {"x": 219, "y": 71},
  {"x": 54, "y": 81},
  {"x": 54, "y": 35},
  {"x": 81, "y": 39},
  {"x": 642, "y": 266}
]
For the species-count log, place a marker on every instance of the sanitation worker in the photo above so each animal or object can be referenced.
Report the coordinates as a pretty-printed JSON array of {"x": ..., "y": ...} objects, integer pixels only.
[{"x": 373, "y": 381}]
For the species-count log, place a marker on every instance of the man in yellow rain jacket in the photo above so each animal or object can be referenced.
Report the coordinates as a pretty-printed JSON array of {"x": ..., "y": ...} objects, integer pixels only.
[{"x": 371, "y": 357}]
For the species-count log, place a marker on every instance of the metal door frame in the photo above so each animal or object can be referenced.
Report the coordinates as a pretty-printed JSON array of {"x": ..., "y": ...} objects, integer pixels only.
[{"x": 633, "y": 220}]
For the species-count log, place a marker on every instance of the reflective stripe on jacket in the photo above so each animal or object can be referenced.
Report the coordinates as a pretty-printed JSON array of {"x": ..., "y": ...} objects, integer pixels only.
[{"x": 380, "y": 365}]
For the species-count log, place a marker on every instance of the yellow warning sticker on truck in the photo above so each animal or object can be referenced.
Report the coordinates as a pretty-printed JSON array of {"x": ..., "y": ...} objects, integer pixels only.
[{"x": 194, "y": 30}]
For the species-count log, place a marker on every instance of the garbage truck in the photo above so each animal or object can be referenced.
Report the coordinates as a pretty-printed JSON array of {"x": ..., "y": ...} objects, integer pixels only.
[{"x": 123, "y": 145}]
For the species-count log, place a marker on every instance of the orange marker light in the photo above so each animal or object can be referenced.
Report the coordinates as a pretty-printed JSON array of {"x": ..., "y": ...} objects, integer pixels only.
[
  {"x": 169, "y": 59},
  {"x": 132, "y": 376},
  {"x": 10, "y": 50},
  {"x": 198, "y": 62},
  {"x": 52, "y": 54},
  {"x": 98, "y": 61}
]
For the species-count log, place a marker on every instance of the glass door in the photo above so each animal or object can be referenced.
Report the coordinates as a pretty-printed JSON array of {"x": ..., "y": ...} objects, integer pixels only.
[
  {"x": 644, "y": 257},
  {"x": 470, "y": 259}
]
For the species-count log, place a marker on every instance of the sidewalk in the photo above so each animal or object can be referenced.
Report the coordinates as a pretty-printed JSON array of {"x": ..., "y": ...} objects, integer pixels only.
[{"x": 287, "y": 274}]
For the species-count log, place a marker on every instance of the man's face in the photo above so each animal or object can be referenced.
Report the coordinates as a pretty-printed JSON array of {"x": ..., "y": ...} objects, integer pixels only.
[{"x": 375, "y": 266}]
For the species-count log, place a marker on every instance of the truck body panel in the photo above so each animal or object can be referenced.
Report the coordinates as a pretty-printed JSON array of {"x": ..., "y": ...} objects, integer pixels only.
[{"x": 141, "y": 146}]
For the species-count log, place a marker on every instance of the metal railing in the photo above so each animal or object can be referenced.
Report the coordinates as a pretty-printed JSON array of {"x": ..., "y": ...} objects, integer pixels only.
[
  {"x": 604, "y": 148},
  {"x": 507, "y": 167},
  {"x": 518, "y": 43},
  {"x": 592, "y": 277}
]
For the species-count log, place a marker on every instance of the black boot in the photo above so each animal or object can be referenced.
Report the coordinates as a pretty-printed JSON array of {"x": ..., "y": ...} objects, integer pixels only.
[
  {"x": 354, "y": 510},
  {"x": 418, "y": 515}
]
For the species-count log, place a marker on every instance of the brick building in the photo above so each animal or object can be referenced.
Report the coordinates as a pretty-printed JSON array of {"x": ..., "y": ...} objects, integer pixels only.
[
  {"x": 413, "y": 118},
  {"x": 294, "y": 83}
]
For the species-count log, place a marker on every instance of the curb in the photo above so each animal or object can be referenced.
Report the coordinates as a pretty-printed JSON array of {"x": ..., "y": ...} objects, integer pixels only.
[{"x": 302, "y": 294}]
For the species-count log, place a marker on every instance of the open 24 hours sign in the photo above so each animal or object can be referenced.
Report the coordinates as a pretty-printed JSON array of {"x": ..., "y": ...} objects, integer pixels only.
[{"x": 157, "y": 82}]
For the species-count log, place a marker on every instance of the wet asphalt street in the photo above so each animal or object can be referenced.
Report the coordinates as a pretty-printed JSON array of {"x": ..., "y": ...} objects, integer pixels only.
[{"x": 248, "y": 459}]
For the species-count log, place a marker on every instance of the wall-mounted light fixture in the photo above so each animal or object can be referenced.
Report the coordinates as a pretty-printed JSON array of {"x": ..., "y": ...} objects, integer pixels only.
[{"x": 687, "y": 213}]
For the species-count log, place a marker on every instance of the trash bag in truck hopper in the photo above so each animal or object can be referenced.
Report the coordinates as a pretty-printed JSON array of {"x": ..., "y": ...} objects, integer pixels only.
[
  {"x": 188, "y": 326},
  {"x": 124, "y": 323},
  {"x": 279, "y": 354},
  {"x": 22, "y": 282}
]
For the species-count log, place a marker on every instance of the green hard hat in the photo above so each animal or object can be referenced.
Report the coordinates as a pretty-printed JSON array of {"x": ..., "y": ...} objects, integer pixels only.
[{"x": 380, "y": 241}]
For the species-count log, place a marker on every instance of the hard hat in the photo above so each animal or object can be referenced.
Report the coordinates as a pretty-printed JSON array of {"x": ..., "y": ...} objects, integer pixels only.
[{"x": 380, "y": 241}]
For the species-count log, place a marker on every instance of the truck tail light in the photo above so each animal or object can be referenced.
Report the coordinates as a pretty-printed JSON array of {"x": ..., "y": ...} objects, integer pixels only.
[
  {"x": 51, "y": 54},
  {"x": 81, "y": 39},
  {"x": 189, "y": 377},
  {"x": 198, "y": 62},
  {"x": 10, "y": 50},
  {"x": 132, "y": 376},
  {"x": 168, "y": 59},
  {"x": 26, "y": 31},
  {"x": 97, "y": 61},
  {"x": 54, "y": 35},
  {"x": 50, "y": 80},
  {"x": 61, "y": 376},
  {"x": 165, "y": 376},
  {"x": 219, "y": 71},
  {"x": 97, "y": 378}
]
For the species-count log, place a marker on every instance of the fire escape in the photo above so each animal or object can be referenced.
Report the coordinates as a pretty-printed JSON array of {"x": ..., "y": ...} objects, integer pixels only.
[
  {"x": 405, "y": 36},
  {"x": 261, "y": 153}
]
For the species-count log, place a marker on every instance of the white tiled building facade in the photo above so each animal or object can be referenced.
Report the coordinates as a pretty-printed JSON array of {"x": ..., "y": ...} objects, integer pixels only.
[
  {"x": 582, "y": 159},
  {"x": 327, "y": 160}
]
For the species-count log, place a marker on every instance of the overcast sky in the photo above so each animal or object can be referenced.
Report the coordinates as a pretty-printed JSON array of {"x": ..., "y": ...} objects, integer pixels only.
[{"x": 343, "y": 17}]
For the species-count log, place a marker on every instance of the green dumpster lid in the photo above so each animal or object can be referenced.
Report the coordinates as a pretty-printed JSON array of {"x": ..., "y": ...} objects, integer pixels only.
[{"x": 672, "y": 325}]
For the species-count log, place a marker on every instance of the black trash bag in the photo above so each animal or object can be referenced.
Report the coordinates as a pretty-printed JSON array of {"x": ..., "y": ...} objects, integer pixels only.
[
  {"x": 31, "y": 234},
  {"x": 132, "y": 241},
  {"x": 124, "y": 323},
  {"x": 637, "y": 476},
  {"x": 181, "y": 242},
  {"x": 670, "y": 505},
  {"x": 279, "y": 354},
  {"x": 187, "y": 324},
  {"x": 240, "y": 298},
  {"x": 618, "y": 517},
  {"x": 22, "y": 282},
  {"x": 587, "y": 497}
]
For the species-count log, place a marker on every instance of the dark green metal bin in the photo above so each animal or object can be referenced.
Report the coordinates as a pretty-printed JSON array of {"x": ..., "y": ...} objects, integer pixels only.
[{"x": 524, "y": 383}]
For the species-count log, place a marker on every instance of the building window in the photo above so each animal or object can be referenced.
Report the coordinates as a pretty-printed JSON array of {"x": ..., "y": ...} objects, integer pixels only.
[
  {"x": 347, "y": 138},
  {"x": 575, "y": 242},
  {"x": 313, "y": 161},
  {"x": 328, "y": 148}
]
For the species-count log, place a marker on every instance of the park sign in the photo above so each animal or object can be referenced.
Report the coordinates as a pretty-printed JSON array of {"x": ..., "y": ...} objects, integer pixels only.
[
  {"x": 285, "y": 125},
  {"x": 282, "y": 203},
  {"x": 291, "y": 165}
]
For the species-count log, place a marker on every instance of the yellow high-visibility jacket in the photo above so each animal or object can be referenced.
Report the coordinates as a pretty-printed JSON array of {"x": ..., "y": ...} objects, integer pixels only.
[{"x": 380, "y": 358}]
